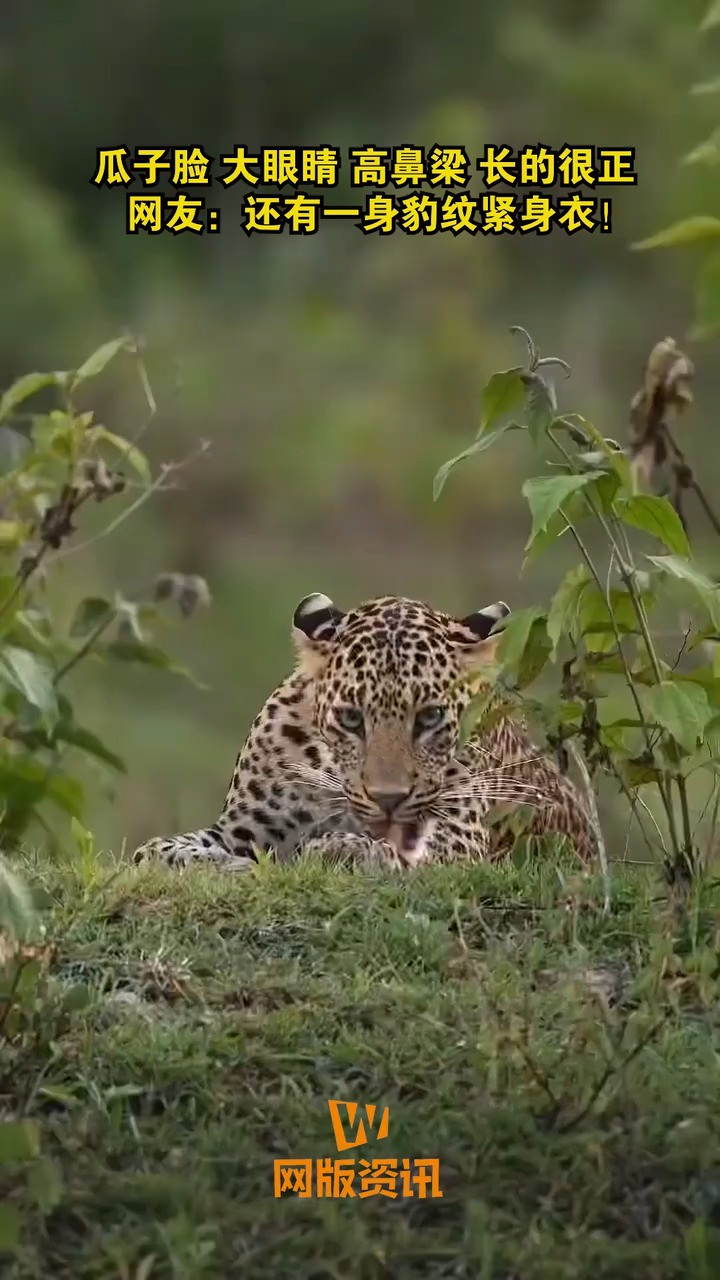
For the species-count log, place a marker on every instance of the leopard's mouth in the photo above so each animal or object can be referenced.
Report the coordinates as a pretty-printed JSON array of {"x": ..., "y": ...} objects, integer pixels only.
[{"x": 403, "y": 836}]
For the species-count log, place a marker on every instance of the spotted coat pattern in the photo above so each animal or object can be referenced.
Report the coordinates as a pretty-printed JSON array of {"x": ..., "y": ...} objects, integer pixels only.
[{"x": 359, "y": 752}]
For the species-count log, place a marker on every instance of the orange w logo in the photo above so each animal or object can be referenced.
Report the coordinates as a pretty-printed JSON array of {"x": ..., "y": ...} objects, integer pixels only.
[{"x": 347, "y": 1132}]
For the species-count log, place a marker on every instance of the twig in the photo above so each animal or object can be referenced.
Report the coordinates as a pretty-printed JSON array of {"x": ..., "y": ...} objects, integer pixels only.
[
  {"x": 167, "y": 468},
  {"x": 85, "y": 647},
  {"x": 689, "y": 479},
  {"x": 458, "y": 925},
  {"x": 147, "y": 391},
  {"x": 610, "y": 1070},
  {"x": 644, "y": 805},
  {"x": 632, "y": 862},
  {"x": 579, "y": 759}
]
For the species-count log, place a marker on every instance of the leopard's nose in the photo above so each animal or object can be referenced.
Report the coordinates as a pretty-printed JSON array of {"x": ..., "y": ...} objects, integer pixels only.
[{"x": 388, "y": 800}]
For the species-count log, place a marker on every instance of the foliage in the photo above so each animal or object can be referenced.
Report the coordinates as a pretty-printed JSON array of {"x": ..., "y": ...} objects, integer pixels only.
[
  {"x": 700, "y": 230},
  {"x": 54, "y": 465},
  {"x": 26, "y": 1026},
  {"x": 624, "y": 701}
]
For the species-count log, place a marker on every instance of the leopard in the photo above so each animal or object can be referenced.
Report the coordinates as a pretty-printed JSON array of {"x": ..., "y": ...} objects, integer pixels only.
[{"x": 362, "y": 753}]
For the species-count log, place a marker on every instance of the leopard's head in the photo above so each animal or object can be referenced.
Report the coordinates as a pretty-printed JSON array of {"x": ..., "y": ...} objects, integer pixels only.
[{"x": 390, "y": 683}]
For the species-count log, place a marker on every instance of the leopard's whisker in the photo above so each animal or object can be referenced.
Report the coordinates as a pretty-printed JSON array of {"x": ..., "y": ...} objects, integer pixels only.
[
  {"x": 499, "y": 767},
  {"x": 320, "y": 778},
  {"x": 484, "y": 791}
]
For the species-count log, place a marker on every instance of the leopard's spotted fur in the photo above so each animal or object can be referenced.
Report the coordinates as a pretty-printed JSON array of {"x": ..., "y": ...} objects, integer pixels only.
[{"x": 358, "y": 752}]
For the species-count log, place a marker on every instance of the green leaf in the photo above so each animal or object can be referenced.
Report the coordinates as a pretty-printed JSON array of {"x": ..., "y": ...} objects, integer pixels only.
[
  {"x": 541, "y": 404},
  {"x": 712, "y": 17},
  {"x": 129, "y": 451},
  {"x": 609, "y": 664},
  {"x": 25, "y": 387},
  {"x": 9, "y": 611},
  {"x": 537, "y": 652},
  {"x": 576, "y": 427},
  {"x": 84, "y": 841},
  {"x": 683, "y": 712},
  {"x": 515, "y": 635},
  {"x": 615, "y": 458},
  {"x": 474, "y": 711},
  {"x": 606, "y": 488},
  {"x": 148, "y": 655},
  {"x": 31, "y": 676},
  {"x": 546, "y": 495},
  {"x": 685, "y": 571},
  {"x": 656, "y": 516},
  {"x": 707, "y": 299},
  {"x": 12, "y": 533},
  {"x": 637, "y": 773},
  {"x": 90, "y": 613},
  {"x": 503, "y": 392},
  {"x": 57, "y": 435},
  {"x": 33, "y": 630},
  {"x": 10, "y": 1227},
  {"x": 17, "y": 910},
  {"x": 67, "y": 794},
  {"x": 706, "y": 86},
  {"x": 100, "y": 359},
  {"x": 19, "y": 1140},
  {"x": 84, "y": 740},
  {"x": 563, "y": 609},
  {"x": 708, "y": 678},
  {"x": 601, "y": 613},
  {"x": 574, "y": 510},
  {"x": 712, "y": 737},
  {"x": 45, "y": 1184},
  {"x": 25, "y": 784},
  {"x": 67, "y": 731},
  {"x": 65, "y": 1095},
  {"x": 115, "y": 1091},
  {"x": 483, "y": 442},
  {"x": 696, "y": 230},
  {"x": 707, "y": 152}
]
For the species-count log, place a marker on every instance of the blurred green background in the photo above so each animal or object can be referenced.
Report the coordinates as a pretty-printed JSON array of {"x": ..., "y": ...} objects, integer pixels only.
[{"x": 333, "y": 374}]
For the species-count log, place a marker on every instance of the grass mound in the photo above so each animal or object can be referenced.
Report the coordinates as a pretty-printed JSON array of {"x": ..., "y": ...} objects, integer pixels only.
[{"x": 188, "y": 1030}]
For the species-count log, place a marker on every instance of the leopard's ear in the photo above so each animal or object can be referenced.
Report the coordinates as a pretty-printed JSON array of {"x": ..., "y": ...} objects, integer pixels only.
[
  {"x": 482, "y": 634},
  {"x": 315, "y": 623}
]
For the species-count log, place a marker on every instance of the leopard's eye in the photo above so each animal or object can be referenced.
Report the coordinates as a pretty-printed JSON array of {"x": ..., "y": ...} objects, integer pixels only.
[
  {"x": 350, "y": 718},
  {"x": 429, "y": 718}
]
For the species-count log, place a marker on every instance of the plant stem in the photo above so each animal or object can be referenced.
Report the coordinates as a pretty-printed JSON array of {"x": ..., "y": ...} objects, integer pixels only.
[
  {"x": 627, "y": 571},
  {"x": 692, "y": 482},
  {"x": 627, "y": 575},
  {"x": 579, "y": 759},
  {"x": 85, "y": 647}
]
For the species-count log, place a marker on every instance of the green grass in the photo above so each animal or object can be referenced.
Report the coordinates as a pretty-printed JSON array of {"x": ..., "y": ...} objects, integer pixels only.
[{"x": 561, "y": 1065}]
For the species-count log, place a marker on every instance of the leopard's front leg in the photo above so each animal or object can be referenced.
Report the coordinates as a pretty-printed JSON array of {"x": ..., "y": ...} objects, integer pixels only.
[
  {"x": 352, "y": 851},
  {"x": 193, "y": 848}
]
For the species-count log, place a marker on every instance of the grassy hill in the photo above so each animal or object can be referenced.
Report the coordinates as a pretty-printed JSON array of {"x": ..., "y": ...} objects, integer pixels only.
[{"x": 188, "y": 1031}]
